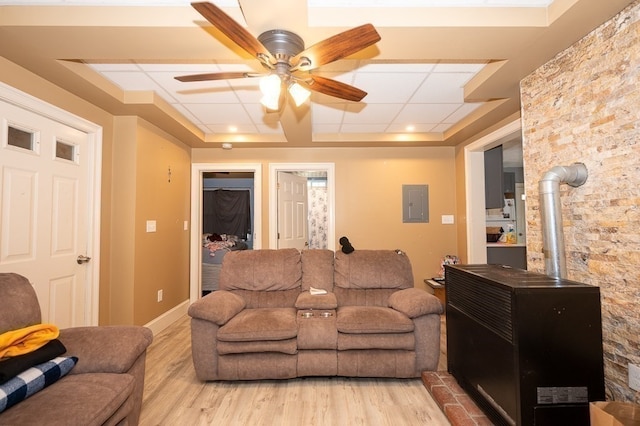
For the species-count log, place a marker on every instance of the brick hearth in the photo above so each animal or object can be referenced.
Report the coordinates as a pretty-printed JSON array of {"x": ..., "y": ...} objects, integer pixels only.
[{"x": 452, "y": 400}]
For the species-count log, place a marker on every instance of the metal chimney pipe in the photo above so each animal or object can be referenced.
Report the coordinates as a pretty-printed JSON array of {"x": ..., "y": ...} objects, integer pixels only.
[{"x": 551, "y": 212}]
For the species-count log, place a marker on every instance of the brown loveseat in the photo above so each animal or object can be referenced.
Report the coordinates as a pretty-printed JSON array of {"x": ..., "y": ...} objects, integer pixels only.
[
  {"x": 264, "y": 323},
  {"x": 105, "y": 386}
]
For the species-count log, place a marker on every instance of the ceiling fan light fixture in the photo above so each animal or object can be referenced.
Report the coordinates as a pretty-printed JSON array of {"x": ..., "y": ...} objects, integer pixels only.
[
  {"x": 270, "y": 87},
  {"x": 299, "y": 93},
  {"x": 270, "y": 103}
]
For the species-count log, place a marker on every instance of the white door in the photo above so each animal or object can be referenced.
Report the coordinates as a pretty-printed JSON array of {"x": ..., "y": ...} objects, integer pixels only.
[
  {"x": 292, "y": 211},
  {"x": 44, "y": 210}
]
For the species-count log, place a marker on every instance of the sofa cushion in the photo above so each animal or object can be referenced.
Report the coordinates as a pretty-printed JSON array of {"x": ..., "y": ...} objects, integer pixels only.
[
  {"x": 377, "y": 363},
  {"x": 369, "y": 269},
  {"x": 82, "y": 399},
  {"x": 261, "y": 270},
  {"x": 260, "y": 324},
  {"x": 287, "y": 346},
  {"x": 395, "y": 341},
  {"x": 33, "y": 380},
  {"x": 364, "y": 297},
  {"x": 372, "y": 319},
  {"x": 268, "y": 299}
]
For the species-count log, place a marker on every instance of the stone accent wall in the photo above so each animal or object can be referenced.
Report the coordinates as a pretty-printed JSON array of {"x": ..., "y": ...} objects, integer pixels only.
[{"x": 584, "y": 106}]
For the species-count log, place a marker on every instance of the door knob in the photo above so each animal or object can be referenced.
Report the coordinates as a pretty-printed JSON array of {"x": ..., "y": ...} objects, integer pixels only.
[{"x": 82, "y": 259}]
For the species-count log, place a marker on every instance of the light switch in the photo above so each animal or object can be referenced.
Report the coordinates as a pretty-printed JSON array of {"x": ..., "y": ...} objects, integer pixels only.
[
  {"x": 447, "y": 219},
  {"x": 186, "y": 225},
  {"x": 151, "y": 226}
]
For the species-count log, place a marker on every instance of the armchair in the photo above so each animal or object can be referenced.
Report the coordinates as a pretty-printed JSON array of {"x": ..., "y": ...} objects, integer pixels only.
[{"x": 105, "y": 386}]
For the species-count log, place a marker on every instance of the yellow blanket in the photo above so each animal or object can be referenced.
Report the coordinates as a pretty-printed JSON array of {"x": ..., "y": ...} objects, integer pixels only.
[{"x": 25, "y": 340}]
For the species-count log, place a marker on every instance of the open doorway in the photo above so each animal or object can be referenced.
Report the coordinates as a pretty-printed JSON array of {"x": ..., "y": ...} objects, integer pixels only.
[
  {"x": 319, "y": 224},
  {"x": 475, "y": 188},
  {"x": 226, "y": 178}
]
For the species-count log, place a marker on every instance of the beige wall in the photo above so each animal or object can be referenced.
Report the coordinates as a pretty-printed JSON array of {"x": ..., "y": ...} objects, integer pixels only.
[
  {"x": 161, "y": 258},
  {"x": 148, "y": 261},
  {"x": 583, "y": 106},
  {"x": 369, "y": 193}
]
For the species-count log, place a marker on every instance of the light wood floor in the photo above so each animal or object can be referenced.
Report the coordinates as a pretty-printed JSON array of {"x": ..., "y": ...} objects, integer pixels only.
[{"x": 174, "y": 396}]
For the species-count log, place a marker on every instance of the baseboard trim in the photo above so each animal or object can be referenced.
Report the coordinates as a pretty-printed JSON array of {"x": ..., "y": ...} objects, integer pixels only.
[{"x": 165, "y": 320}]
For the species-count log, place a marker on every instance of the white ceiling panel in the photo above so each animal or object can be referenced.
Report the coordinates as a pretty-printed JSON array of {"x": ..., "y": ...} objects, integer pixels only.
[
  {"x": 328, "y": 114},
  {"x": 461, "y": 112},
  {"x": 425, "y": 113},
  {"x": 363, "y": 128},
  {"x": 319, "y": 129},
  {"x": 229, "y": 114},
  {"x": 371, "y": 113},
  {"x": 386, "y": 87}
]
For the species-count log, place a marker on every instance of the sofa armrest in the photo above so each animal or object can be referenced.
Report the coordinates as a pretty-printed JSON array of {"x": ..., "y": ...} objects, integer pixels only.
[
  {"x": 217, "y": 307},
  {"x": 105, "y": 349},
  {"x": 307, "y": 300},
  {"x": 414, "y": 302}
]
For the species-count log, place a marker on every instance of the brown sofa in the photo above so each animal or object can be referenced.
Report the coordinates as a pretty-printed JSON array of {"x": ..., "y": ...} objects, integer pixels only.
[
  {"x": 105, "y": 386},
  {"x": 264, "y": 323}
]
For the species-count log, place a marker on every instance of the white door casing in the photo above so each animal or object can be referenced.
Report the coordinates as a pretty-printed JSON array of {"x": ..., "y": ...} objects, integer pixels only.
[
  {"x": 48, "y": 214},
  {"x": 197, "y": 170},
  {"x": 292, "y": 211},
  {"x": 474, "y": 184}
]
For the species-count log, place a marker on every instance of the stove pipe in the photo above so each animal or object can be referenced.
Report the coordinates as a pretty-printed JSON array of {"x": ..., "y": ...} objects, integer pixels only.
[{"x": 551, "y": 213}]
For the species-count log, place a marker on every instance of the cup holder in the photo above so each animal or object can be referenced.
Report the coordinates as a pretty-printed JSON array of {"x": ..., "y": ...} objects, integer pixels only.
[{"x": 310, "y": 314}]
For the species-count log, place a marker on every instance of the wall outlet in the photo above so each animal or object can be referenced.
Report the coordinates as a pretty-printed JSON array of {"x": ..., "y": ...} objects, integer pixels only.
[
  {"x": 634, "y": 377},
  {"x": 159, "y": 295},
  {"x": 151, "y": 226}
]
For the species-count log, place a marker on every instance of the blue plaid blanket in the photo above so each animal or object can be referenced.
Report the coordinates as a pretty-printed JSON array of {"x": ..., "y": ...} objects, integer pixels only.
[{"x": 33, "y": 380}]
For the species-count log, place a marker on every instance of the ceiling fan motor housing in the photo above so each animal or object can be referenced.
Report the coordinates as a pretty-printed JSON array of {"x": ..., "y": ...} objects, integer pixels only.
[{"x": 282, "y": 43}]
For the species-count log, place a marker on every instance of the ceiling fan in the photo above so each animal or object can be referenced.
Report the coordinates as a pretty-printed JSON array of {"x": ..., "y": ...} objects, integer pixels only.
[{"x": 282, "y": 53}]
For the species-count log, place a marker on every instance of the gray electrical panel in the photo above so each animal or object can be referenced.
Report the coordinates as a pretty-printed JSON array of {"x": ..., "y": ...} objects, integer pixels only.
[{"x": 415, "y": 203}]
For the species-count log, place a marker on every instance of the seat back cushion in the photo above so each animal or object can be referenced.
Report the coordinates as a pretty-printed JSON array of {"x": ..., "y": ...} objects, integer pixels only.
[
  {"x": 369, "y": 277},
  {"x": 20, "y": 306},
  {"x": 373, "y": 269},
  {"x": 261, "y": 270},
  {"x": 317, "y": 269}
]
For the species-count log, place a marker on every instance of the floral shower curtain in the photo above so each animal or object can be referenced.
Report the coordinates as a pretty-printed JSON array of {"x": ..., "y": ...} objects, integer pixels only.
[{"x": 318, "y": 218}]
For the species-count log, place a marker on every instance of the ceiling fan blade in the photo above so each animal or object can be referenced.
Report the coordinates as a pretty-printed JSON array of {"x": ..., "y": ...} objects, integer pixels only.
[
  {"x": 233, "y": 30},
  {"x": 333, "y": 88},
  {"x": 337, "y": 47},
  {"x": 216, "y": 76}
]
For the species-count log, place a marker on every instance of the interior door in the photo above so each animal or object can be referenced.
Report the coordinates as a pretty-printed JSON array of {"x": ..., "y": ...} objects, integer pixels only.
[
  {"x": 292, "y": 211},
  {"x": 44, "y": 211}
]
